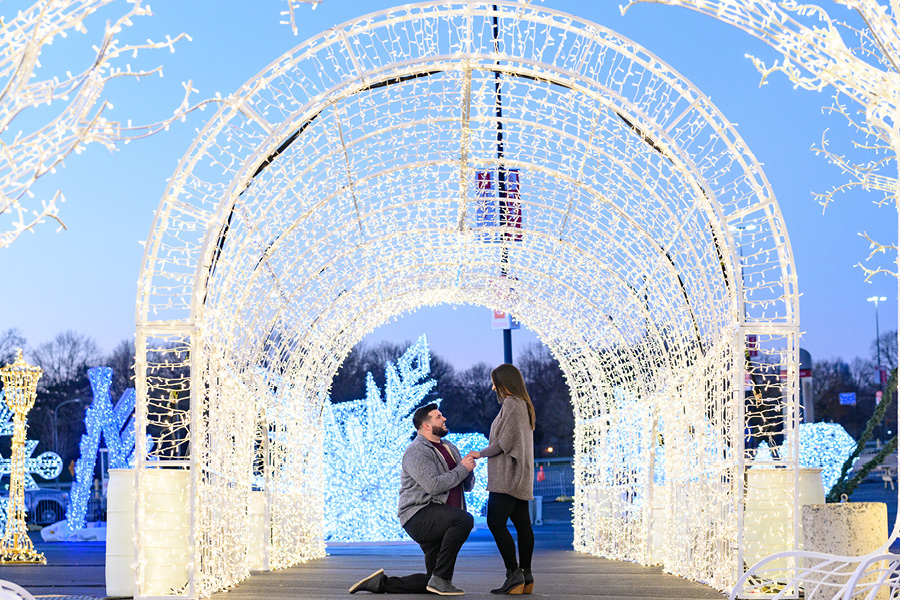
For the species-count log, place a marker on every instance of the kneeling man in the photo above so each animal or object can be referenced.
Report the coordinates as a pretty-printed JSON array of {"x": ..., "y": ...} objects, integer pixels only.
[{"x": 432, "y": 509}]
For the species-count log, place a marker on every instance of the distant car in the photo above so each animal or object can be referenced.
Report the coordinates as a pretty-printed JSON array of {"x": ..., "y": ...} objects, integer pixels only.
[{"x": 43, "y": 506}]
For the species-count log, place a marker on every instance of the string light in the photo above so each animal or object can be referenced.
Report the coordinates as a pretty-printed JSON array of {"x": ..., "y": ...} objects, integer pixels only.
[
  {"x": 338, "y": 191},
  {"x": 823, "y": 446},
  {"x": 80, "y": 108},
  {"x": 857, "y": 62},
  {"x": 48, "y": 465}
]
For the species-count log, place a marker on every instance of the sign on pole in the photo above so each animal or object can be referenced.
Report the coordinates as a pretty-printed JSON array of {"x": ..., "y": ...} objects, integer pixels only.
[
  {"x": 486, "y": 210},
  {"x": 503, "y": 320},
  {"x": 848, "y": 399},
  {"x": 752, "y": 345}
]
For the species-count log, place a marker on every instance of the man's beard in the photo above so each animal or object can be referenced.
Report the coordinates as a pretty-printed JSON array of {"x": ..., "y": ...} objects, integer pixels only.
[{"x": 439, "y": 431}]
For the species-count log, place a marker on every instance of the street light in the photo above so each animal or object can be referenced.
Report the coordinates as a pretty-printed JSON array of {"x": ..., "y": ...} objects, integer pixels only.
[{"x": 876, "y": 300}]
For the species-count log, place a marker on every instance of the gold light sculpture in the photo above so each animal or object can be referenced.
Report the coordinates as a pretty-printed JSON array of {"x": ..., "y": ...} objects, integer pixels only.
[{"x": 20, "y": 384}]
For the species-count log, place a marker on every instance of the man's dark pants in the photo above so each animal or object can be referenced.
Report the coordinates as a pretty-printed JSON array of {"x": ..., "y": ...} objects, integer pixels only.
[{"x": 440, "y": 531}]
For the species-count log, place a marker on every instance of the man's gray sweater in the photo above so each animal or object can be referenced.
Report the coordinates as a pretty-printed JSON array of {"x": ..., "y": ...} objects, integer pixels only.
[{"x": 425, "y": 477}]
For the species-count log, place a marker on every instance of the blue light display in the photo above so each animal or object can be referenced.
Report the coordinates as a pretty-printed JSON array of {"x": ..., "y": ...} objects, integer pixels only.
[
  {"x": 48, "y": 465},
  {"x": 101, "y": 420},
  {"x": 822, "y": 446},
  {"x": 364, "y": 444}
]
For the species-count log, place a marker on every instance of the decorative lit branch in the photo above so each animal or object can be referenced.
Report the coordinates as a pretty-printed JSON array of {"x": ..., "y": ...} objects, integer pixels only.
[
  {"x": 79, "y": 108},
  {"x": 295, "y": 4},
  {"x": 816, "y": 56}
]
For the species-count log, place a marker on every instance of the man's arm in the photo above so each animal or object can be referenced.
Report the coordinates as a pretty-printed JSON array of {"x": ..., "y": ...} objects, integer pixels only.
[
  {"x": 419, "y": 465},
  {"x": 469, "y": 481}
]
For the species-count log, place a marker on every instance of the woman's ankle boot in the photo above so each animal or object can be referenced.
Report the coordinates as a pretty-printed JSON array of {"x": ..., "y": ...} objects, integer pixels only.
[
  {"x": 529, "y": 581},
  {"x": 514, "y": 584}
]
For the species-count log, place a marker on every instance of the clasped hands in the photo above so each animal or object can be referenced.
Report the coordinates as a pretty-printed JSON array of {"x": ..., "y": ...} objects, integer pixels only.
[{"x": 468, "y": 460}]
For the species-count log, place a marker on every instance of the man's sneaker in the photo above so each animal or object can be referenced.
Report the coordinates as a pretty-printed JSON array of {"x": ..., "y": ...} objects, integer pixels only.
[
  {"x": 442, "y": 587},
  {"x": 372, "y": 583}
]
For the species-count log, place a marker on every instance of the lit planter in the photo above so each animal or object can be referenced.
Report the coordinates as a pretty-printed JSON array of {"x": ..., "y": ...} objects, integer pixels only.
[{"x": 769, "y": 509}]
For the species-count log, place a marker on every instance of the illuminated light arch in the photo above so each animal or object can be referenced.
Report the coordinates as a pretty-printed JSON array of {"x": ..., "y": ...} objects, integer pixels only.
[{"x": 337, "y": 190}]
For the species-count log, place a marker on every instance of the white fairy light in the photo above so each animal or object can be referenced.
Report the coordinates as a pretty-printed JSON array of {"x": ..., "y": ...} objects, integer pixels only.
[
  {"x": 80, "y": 111},
  {"x": 294, "y": 5},
  {"x": 339, "y": 191}
]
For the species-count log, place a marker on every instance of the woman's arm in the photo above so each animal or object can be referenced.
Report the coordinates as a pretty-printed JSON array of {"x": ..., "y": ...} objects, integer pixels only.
[{"x": 504, "y": 435}]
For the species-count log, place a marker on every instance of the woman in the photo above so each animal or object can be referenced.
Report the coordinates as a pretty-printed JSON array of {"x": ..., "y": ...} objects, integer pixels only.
[{"x": 510, "y": 455}]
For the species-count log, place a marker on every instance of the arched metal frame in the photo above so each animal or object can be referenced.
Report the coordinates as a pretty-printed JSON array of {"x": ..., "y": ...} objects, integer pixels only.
[{"x": 337, "y": 190}]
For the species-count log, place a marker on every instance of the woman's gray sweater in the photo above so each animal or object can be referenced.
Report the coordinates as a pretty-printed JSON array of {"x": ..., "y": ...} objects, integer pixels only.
[{"x": 510, "y": 452}]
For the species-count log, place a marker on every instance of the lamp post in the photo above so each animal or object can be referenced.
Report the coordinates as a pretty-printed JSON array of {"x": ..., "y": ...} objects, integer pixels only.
[
  {"x": 876, "y": 300},
  {"x": 20, "y": 383}
]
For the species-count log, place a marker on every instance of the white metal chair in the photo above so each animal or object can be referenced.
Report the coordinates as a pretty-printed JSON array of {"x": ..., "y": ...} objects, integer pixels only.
[
  {"x": 887, "y": 476},
  {"x": 822, "y": 576},
  {"x": 12, "y": 591}
]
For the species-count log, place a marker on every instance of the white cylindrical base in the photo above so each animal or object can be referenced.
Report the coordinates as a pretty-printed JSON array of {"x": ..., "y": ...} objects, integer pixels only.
[
  {"x": 811, "y": 490},
  {"x": 658, "y": 525},
  {"x": 120, "y": 575},
  {"x": 165, "y": 527},
  {"x": 846, "y": 529},
  {"x": 259, "y": 541},
  {"x": 768, "y": 513}
]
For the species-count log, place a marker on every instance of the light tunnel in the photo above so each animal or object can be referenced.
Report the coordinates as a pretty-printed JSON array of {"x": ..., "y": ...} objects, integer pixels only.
[{"x": 364, "y": 175}]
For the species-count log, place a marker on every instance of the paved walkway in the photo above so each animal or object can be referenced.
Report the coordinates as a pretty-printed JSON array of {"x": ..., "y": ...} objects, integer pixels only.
[
  {"x": 559, "y": 573},
  {"x": 77, "y": 570}
]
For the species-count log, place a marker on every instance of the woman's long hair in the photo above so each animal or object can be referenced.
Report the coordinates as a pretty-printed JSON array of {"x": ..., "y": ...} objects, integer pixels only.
[{"x": 509, "y": 382}]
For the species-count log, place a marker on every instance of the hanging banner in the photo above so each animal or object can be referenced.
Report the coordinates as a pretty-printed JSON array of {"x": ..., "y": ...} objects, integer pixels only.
[
  {"x": 511, "y": 206},
  {"x": 752, "y": 345},
  {"x": 486, "y": 208}
]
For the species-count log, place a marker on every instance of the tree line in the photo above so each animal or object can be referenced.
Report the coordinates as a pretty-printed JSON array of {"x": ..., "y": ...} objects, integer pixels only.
[
  {"x": 467, "y": 399},
  {"x": 466, "y": 396},
  {"x": 832, "y": 377},
  {"x": 64, "y": 392}
]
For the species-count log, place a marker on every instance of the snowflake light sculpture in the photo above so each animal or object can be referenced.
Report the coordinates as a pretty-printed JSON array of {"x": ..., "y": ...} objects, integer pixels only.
[
  {"x": 340, "y": 191},
  {"x": 115, "y": 426},
  {"x": 364, "y": 443}
]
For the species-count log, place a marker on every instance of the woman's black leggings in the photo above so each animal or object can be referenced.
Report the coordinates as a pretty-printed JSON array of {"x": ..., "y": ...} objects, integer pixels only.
[{"x": 501, "y": 507}]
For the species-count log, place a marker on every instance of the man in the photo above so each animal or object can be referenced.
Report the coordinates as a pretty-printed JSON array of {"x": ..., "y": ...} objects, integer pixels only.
[{"x": 432, "y": 509}]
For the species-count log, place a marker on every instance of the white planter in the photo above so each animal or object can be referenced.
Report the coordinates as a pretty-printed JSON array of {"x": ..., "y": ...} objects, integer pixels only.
[
  {"x": 259, "y": 541},
  {"x": 166, "y": 523},
  {"x": 769, "y": 510},
  {"x": 120, "y": 575},
  {"x": 846, "y": 529}
]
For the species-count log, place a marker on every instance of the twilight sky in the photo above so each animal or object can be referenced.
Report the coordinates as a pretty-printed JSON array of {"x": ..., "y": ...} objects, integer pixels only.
[{"x": 84, "y": 279}]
